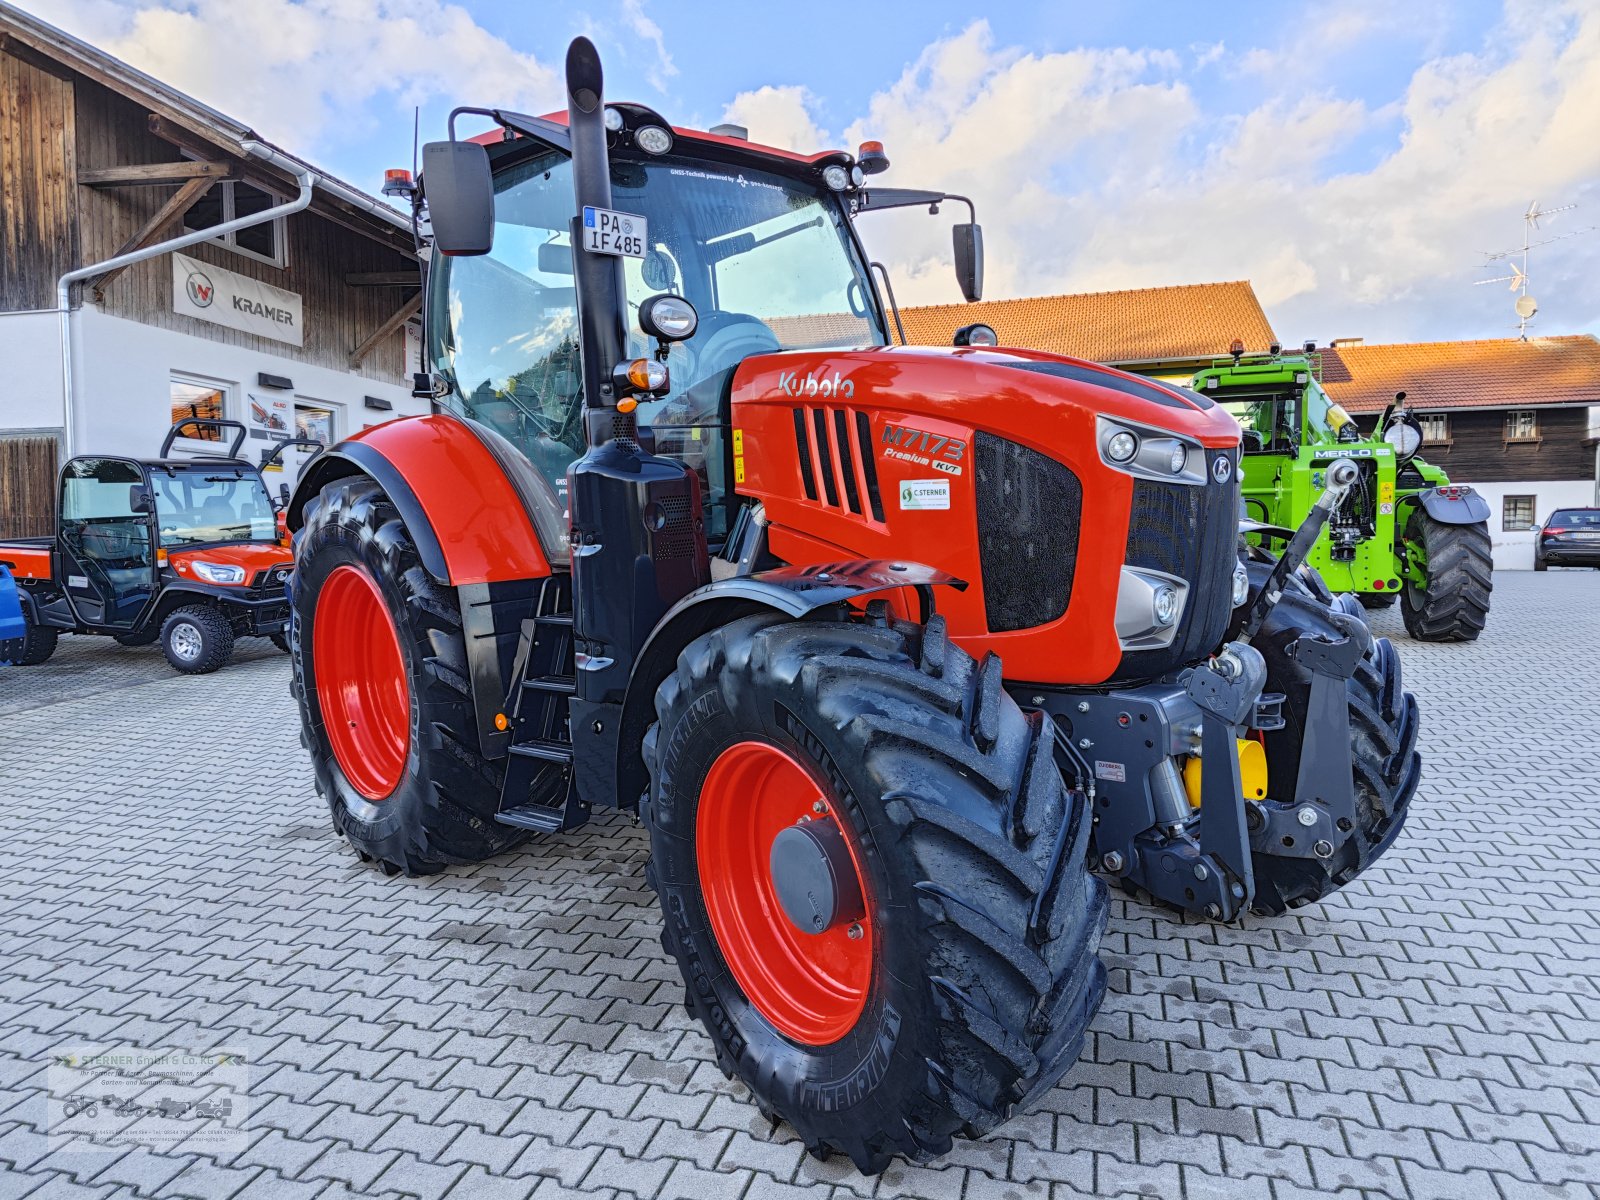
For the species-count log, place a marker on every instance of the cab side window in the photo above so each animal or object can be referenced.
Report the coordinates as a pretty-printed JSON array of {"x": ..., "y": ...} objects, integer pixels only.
[{"x": 97, "y": 517}]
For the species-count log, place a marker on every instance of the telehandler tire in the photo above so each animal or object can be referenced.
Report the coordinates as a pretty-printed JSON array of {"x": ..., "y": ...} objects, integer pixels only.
[
  {"x": 380, "y": 674},
  {"x": 1460, "y": 575},
  {"x": 1383, "y": 729},
  {"x": 891, "y": 789}
]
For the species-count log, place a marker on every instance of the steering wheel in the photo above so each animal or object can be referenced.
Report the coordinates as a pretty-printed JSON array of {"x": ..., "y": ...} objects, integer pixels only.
[{"x": 725, "y": 339}]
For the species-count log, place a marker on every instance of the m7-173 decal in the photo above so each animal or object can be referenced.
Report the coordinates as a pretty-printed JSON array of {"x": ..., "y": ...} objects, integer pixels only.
[{"x": 926, "y": 449}]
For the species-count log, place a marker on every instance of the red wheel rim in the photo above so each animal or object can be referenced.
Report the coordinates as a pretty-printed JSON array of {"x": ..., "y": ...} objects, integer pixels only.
[
  {"x": 361, "y": 682},
  {"x": 810, "y": 987}
]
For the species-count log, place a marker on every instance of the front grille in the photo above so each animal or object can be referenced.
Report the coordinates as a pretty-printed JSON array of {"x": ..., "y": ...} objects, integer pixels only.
[
  {"x": 1029, "y": 510},
  {"x": 1192, "y": 533},
  {"x": 836, "y": 464},
  {"x": 271, "y": 580}
]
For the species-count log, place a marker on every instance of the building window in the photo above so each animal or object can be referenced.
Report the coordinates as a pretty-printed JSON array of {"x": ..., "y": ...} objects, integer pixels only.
[
  {"x": 193, "y": 397},
  {"x": 1516, "y": 514},
  {"x": 1435, "y": 427},
  {"x": 1522, "y": 425},
  {"x": 230, "y": 199}
]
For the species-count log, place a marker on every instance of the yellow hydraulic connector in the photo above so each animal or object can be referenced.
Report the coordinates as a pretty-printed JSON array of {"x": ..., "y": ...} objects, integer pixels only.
[{"x": 1252, "y": 772}]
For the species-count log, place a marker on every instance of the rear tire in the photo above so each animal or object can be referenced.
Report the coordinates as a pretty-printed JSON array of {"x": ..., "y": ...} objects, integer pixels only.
[
  {"x": 981, "y": 919},
  {"x": 281, "y": 641},
  {"x": 1539, "y": 564},
  {"x": 1385, "y": 762},
  {"x": 1455, "y": 602},
  {"x": 197, "y": 639},
  {"x": 442, "y": 804}
]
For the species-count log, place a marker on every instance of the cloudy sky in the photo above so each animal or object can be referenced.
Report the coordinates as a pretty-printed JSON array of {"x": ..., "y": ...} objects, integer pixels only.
[{"x": 1354, "y": 160}]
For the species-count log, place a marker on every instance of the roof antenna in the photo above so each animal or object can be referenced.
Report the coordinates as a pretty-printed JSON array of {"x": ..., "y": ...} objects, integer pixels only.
[{"x": 1526, "y": 306}]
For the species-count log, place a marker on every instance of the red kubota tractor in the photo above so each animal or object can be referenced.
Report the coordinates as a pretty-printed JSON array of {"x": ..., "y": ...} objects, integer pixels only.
[{"x": 672, "y": 544}]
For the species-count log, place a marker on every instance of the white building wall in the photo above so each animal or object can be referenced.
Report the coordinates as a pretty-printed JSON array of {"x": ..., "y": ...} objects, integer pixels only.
[
  {"x": 31, "y": 397},
  {"x": 123, "y": 371},
  {"x": 1513, "y": 550}
]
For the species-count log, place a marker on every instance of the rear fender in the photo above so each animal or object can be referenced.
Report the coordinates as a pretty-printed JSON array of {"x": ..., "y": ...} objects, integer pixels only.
[
  {"x": 465, "y": 502},
  {"x": 1464, "y": 507},
  {"x": 792, "y": 592}
]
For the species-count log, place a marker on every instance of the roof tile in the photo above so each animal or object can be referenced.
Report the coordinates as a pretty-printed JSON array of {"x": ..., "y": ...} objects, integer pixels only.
[
  {"x": 1139, "y": 325},
  {"x": 1495, "y": 373}
]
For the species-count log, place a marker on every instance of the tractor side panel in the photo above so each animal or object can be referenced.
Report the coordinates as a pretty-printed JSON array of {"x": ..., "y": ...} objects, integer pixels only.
[
  {"x": 475, "y": 514},
  {"x": 885, "y": 456}
]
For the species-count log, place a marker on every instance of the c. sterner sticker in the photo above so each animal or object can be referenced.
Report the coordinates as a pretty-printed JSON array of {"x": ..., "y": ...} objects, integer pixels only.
[{"x": 925, "y": 493}]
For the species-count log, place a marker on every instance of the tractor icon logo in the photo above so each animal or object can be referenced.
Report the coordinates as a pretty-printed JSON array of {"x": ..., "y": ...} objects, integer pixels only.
[
  {"x": 1221, "y": 469},
  {"x": 201, "y": 290}
]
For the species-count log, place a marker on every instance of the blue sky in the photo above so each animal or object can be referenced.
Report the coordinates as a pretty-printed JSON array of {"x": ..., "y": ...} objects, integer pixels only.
[{"x": 1353, "y": 160}]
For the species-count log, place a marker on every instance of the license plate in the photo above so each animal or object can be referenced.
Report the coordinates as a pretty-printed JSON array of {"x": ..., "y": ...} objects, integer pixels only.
[
  {"x": 616, "y": 233},
  {"x": 1588, "y": 537}
]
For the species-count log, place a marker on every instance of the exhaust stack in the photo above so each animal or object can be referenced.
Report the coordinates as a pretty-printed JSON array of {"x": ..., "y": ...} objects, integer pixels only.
[{"x": 601, "y": 315}]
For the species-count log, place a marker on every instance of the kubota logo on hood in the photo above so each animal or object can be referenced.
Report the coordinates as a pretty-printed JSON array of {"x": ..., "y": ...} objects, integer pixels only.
[{"x": 792, "y": 383}]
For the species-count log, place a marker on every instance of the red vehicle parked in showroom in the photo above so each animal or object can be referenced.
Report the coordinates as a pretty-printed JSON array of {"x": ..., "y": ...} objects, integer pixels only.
[{"x": 186, "y": 551}]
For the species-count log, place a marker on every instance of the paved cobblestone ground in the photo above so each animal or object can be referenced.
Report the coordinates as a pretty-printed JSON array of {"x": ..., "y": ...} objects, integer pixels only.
[{"x": 167, "y": 879}]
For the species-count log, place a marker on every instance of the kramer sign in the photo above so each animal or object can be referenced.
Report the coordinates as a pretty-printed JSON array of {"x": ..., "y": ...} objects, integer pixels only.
[{"x": 227, "y": 298}]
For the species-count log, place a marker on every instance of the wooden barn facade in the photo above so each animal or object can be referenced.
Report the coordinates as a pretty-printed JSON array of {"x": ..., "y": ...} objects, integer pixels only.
[{"x": 300, "y": 323}]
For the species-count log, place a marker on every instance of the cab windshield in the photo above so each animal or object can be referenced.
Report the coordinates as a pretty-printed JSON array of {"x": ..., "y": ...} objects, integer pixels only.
[
  {"x": 1268, "y": 418},
  {"x": 768, "y": 262},
  {"x": 209, "y": 503}
]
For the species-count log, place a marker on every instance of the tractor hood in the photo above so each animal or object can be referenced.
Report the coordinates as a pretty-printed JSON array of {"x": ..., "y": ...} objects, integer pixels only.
[
  {"x": 1041, "y": 400},
  {"x": 1016, "y": 471}
]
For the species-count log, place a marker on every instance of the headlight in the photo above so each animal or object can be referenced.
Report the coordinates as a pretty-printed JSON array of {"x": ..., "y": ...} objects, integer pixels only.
[
  {"x": 1121, "y": 447},
  {"x": 219, "y": 572},
  {"x": 1166, "y": 605},
  {"x": 1179, "y": 457},
  {"x": 836, "y": 177},
  {"x": 1405, "y": 439},
  {"x": 653, "y": 139},
  {"x": 1241, "y": 584}
]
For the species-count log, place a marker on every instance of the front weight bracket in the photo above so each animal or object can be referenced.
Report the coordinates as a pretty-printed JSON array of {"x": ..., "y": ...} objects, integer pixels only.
[{"x": 1226, "y": 690}]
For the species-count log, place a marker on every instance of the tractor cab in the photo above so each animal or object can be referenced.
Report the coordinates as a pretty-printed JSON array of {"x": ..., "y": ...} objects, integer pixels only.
[{"x": 761, "y": 243}]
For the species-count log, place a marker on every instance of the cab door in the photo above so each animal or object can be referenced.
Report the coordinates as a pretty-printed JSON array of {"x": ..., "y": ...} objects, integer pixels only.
[{"x": 107, "y": 542}]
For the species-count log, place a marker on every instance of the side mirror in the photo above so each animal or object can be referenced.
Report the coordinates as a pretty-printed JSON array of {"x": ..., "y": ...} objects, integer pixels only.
[
  {"x": 969, "y": 259},
  {"x": 460, "y": 194},
  {"x": 283, "y": 495},
  {"x": 140, "y": 500}
]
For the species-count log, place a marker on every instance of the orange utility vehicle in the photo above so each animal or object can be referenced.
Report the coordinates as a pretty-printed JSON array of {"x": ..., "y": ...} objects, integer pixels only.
[
  {"x": 879, "y": 642},
  {"x": 184, "y": 550}
]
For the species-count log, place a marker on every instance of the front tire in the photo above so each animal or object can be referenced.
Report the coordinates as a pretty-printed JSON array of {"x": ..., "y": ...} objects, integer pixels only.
[
  {"x": 197, "y": 639},
  {"x": 1454, "y": 603},
  {"x": 380, "y": 676},
  {"x": 960, "y": 988},
  {"x": 1384, "y": 758}
]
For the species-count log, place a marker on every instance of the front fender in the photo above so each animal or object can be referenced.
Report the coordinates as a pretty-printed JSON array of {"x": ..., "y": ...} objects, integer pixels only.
[
  {"x": 455, "y": 495},
  {"x": 1455, "y": 504},
  {"x": 789, "y": 591}
]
